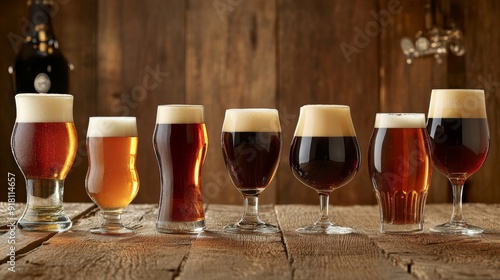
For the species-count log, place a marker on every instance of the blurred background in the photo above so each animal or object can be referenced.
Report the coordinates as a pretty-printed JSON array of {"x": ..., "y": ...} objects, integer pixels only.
[{"x": 130, "y": 56}]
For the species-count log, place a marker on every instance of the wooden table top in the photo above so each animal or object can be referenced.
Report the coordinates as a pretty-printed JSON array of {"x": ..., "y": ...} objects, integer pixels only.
[{"x": 367, "y": 254}]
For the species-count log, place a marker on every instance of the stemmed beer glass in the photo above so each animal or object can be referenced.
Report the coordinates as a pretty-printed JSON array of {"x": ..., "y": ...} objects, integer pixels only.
[
  {"x": 112, "y": 181},
  {"x": 251, "y": 145},
  {"x": 324, "y": 156},
  {"x": 459, "y": 134}
]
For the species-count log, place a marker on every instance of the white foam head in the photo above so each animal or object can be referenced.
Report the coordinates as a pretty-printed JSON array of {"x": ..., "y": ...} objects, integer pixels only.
[
  {"x": 44, "y": 107},
  {"x": 325, "y": 121},
  {"x": 251, "y": 120},
  {"x": 180, "y": 114},
  {"x": 112, "y": 127},
  {"x": 401, "y": 120},
  {"x": 457, "y": 103}
]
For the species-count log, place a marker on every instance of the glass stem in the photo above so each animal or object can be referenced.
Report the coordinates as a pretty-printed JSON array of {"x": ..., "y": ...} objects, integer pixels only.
[
  {"x": 323, "y": 209},
  {"x": 112, "y": 219},
  {"x": 250, "y": 210},
  {"x": 457, "y": 186}
]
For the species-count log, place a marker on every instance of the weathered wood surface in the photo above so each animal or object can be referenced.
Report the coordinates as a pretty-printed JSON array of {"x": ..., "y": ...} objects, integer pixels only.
[{"x": 216, "y": 255}]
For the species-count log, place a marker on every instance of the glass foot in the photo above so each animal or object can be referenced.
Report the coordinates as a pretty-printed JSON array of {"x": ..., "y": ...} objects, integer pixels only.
[
  {"x": 180, "y": 227},
  {"x": 324, "y": 229},
  {"x": 456, "y": 228},
  {"x": 112, "y": 230},
  {"x": 251, "y": 228},
  {"x": 44, "y": 220}
]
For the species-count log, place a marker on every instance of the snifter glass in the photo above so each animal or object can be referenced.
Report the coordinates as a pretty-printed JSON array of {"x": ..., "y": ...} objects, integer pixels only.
[
  {"x": 112, "y": 181},
  {"x": 324, "y": 156},
  {"x": 44, "y": 144},
  {"x": 460, "y": 140},
  {"x": 251, "y": 145}
]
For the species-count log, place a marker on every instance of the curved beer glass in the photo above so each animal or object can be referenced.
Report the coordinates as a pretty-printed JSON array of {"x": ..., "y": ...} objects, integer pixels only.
[
  {"x": 112, "y": 181},
  {"x": 44, "y": 144},
  {"x": 251, "y": 146},
  {"x": 324, "y": 156},
  {"x": 180, "y": 142},
  {"x": 460, "y": 138},
  {"x": 400, "y": 167}
]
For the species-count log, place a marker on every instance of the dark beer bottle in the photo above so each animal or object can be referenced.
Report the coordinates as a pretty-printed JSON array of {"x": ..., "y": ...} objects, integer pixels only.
[{"x": 40, "y": 67}]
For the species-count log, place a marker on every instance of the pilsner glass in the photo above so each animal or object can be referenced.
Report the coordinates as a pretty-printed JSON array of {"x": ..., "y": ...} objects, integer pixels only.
[
  {"x": 180, "y": 142},
  {"x": 399, "y": 163},
  {"x": 112, "y": 181},
  {"x": 251, "y": 146},
  {"x": 44, "y": 144},
  {"x": 460, "y": 140},
  {"x": 324, "y": 156}
]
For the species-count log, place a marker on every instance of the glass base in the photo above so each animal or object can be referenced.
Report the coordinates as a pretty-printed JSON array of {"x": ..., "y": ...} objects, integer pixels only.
[
  {"x": 251, "y": 228},
  {"x": 329, "y": 228},
  {"x": 401, "y": 228},
  {"x": 44, "y": 219},
  {"x": 181, "y": 227},
  {"x": 112, "y": 230},
  {"x": 456, "y": 228}
]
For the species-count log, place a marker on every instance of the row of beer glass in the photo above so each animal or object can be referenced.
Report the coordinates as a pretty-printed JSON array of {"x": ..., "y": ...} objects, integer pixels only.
[{"x": 324, "y": 155}]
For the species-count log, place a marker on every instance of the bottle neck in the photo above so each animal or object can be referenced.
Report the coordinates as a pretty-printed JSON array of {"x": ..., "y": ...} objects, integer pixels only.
[{"x": 41, "y": 23}]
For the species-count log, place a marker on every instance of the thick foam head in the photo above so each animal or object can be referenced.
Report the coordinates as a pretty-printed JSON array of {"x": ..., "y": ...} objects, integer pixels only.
[
  {"x": 251, "y": 120},
  {"x": 112, "y": 127},
  {"x": 457, "y": 103},
  {"x": 179, "y": 114},
  {"x": 403, "y": 120},
  {"x": 325, "y": 121},
  {"x": 40, "y": 108}
]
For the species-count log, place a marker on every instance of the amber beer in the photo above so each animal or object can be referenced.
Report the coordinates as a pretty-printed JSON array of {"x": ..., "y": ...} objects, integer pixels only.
[
  {"x": 44, "y": 144},
  {"x": 112, "y": 180},
  {"x": 180, "y": 142},
  {"x": 400, "y": 167}
]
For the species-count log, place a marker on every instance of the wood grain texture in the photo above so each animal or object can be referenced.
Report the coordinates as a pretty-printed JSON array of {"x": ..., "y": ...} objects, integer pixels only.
[
  {"x": 314, "y": 69},
  {"x": 141, "y": 57},
  {"x": 230, "y": 63}
]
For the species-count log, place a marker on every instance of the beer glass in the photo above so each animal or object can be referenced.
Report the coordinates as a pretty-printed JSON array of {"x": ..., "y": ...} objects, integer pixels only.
[
  {"x": 324, "y": 156},
  {"x": 399, "y": 163},
  {"x": 180, "y": 142},
  {"x": 460, "y": 139},
  {"x": 112, "y": 181},
  {"x": 251, "y": 146},
  {"x": 44, "y": 144}
]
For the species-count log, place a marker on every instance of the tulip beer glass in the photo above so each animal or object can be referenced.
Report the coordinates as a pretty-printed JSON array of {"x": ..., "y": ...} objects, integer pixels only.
[
  {"x": 324, "y": 156},
  {"x": 251, "y": 146},
  {"x": 44, "y": 144},
  {"x": 112, "y": 181},
  {"x": 460, "y": 140},
  {"x": 399, "y": 163},
  {"x": 180, "y": 141}
]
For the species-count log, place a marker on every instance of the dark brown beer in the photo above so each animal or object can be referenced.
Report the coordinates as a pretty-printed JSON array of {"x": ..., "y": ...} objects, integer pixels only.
[
  {"x": 400, "y": 167},
  {"x": 252, "y": 158},
  {"x": 324, "y": 163},
  {"x": 44, "y": 150},
  {"x": 180, "y": 150},
  {"x": 459, "y": 145}
]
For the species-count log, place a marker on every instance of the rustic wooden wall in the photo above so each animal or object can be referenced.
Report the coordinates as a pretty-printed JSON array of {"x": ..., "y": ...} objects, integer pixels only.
[{"x": 131, "y": 56}]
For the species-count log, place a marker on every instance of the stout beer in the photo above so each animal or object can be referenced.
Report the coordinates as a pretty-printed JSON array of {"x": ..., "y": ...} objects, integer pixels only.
[
  {"x": 44, "y": 144},
  {"x": 400, "y": 167},
  {"x": 180, "y": 142}
]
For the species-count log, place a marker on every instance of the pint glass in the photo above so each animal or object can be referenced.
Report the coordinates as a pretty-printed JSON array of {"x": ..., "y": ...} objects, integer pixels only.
[
  {"x": 44, "y": 144},
  {"x": 400, "y": 167},
  {"x": 112, "y": 181},
  {"x": 180, "y": 142}
]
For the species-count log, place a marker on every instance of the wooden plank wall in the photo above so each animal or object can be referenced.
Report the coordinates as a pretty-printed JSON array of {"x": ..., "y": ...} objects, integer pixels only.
[{"x": 131, "y": 56}]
